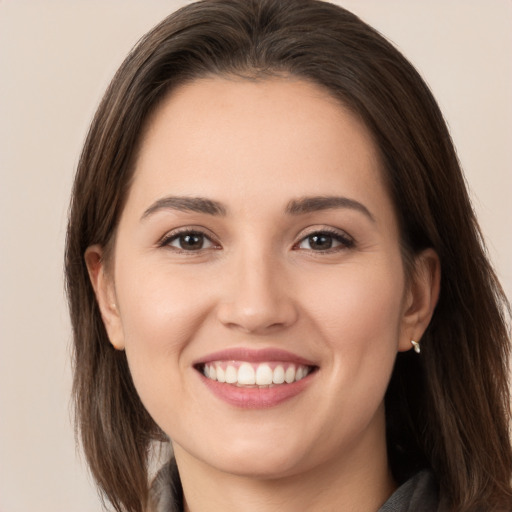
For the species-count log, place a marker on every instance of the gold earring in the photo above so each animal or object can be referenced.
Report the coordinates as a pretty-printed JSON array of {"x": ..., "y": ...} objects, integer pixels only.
[{"x": 416, "y": 346}]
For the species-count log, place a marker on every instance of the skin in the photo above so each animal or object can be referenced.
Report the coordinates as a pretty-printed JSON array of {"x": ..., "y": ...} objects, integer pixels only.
[{"x": 259, "y": 282}]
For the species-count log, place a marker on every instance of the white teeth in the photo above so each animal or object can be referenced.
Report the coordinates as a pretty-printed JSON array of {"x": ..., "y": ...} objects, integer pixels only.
[
  {"x": 264, "y": 375},
  {"x": 221, "y": 377},
  {"x": 278, "y": 377},
  {"x": 231, "y": 374},
  {"x": 251, "y": 374},
  {"x": 246, "y": 375}
]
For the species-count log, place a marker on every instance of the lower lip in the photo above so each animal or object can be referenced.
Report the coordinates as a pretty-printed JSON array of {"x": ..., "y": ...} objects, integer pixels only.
[{"x": 256, "y": 398}]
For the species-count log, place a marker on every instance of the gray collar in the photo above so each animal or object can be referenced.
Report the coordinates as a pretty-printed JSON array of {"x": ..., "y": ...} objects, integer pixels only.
[{"x": 418, "y": 494}]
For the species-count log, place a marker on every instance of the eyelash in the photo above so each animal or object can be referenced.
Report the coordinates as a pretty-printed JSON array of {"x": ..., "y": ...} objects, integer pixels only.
[
  {"x": 345, "y": 241},
  {"x": 175, "y": 235}
]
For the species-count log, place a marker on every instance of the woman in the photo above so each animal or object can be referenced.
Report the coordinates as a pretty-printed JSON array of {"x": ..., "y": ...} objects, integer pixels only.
[{"x": 272, "y": 261}]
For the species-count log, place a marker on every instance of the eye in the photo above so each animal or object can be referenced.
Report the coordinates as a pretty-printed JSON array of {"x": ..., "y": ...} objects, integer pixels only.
[
  {"x": 189, "y": 241},
  {"x": 325, "y": 241}
]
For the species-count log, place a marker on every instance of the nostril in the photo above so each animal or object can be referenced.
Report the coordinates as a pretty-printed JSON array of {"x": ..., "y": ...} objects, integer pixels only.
[{"x": 265, "y": 318}]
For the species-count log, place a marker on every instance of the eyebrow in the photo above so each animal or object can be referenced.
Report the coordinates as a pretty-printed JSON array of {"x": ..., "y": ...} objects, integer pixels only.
[
  {"x": 318, "y": 203},
  {"x": 186, "y": 204},
  {"x": 299, "y": 206}
]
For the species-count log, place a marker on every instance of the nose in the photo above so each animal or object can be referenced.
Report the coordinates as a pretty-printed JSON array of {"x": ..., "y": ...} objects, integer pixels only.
[{"x": 258, "y": 297}]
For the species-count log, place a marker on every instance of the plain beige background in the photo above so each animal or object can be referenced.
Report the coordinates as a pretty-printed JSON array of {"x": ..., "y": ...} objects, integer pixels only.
[{"x": 56, "y": 58}]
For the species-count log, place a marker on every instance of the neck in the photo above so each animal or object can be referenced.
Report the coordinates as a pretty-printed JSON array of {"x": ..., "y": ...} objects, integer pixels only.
[{"x": 359, "y": 481}]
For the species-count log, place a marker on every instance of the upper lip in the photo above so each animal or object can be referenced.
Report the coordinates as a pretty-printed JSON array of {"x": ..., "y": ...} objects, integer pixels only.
[{"x": 254, "y": 356}]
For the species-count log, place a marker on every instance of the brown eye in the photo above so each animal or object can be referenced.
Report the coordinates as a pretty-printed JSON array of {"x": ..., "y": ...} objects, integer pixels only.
[
  {"x": 325, "y": 241},
  {"x": 189, "y": 241},
  {"x": 320, "y": 242}
]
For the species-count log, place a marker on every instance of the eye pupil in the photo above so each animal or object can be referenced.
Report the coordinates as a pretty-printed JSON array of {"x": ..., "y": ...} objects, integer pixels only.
[
  {"x": 320, "y": 241},
  {"x": 191, "y": 241}
]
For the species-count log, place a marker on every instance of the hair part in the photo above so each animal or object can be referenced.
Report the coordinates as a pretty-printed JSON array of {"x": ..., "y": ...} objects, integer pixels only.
[{"x": 439, "y": 405}]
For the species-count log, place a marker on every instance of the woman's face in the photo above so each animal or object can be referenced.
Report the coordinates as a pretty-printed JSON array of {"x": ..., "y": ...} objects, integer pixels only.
[{"x": 259, "y": 246}]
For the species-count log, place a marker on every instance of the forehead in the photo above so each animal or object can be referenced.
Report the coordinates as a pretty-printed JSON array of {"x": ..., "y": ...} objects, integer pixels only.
[{"x": 252, "y": 139}]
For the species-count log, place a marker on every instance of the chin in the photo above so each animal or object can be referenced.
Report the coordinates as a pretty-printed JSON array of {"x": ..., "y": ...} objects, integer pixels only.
[
  {"x": 260, "y": 466},
  {"x": 258, "y": 458}
]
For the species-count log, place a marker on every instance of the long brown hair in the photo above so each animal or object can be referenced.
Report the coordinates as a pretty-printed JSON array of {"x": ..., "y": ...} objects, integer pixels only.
[{"x": 447, "y": 410}]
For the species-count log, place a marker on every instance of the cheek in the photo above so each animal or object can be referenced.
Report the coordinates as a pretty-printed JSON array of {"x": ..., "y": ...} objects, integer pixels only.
[
  {"x": 160, "y": 308},
  {"x": 358, "y": 310},
  {"x": 160, "y": 315},
  {"x": 356, "y": 313}
]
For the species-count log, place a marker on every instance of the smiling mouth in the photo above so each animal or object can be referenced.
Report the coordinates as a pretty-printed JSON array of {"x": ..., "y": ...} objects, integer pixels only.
[{"x": 254, "y": 375}]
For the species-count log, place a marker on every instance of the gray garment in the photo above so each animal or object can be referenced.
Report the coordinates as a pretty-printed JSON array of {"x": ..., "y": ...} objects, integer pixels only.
[
  {"x": 166, "y": 494},
  {"x": 418, "y": 494}
]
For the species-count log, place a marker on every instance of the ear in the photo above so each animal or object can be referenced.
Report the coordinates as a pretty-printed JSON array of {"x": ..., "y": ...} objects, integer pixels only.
[
  {"x": 104, "y": 290},
  {"x": 421, "y": 298}
]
